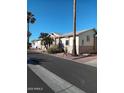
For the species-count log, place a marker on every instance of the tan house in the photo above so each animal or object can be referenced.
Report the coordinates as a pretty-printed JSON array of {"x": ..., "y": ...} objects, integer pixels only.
[{"x": 86, "y": 41}]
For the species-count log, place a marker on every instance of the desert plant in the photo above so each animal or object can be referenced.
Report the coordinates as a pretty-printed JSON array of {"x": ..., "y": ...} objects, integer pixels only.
[{"x": 55, "y": 49}]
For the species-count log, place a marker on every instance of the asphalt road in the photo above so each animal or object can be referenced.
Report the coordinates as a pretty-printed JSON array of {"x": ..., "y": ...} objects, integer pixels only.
[
  {"x": 81, "y": 75},
  {"x": 35, "y": 84}
]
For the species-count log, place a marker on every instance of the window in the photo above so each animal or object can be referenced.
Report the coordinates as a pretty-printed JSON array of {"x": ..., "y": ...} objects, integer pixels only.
[
  {"x": 67, "y": 42},
  {"x": 88, "y": 38},
  {"x": 82, "y": 42}
]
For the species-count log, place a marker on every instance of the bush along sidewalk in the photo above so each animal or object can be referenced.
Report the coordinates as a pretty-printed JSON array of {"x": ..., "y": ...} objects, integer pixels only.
[{"x": 55, "y": 49}]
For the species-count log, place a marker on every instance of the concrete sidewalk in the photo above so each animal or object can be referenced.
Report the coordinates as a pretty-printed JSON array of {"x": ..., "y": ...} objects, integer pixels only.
[{"x": 92, "y": 63}]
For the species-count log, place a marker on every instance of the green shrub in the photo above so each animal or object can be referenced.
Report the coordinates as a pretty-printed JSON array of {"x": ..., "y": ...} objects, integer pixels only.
[{"x": 55, "y": 49}]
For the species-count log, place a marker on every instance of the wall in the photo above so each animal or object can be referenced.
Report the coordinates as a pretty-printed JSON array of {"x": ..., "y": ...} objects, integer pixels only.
[
  {"x": 70, "y": 46},
  {"x": 36, "y": 44},
  {"x": 88, "y": 46}
]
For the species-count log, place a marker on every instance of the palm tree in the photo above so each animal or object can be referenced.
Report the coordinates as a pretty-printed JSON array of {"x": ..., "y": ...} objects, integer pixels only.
[
  {"x": 30, "y": 19},
  {"x": 74, "y": 52},
  {"x": 46, "y": 40}
]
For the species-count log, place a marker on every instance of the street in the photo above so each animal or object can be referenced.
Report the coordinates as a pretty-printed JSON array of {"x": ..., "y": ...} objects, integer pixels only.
[{"x": 80, "y": 75}]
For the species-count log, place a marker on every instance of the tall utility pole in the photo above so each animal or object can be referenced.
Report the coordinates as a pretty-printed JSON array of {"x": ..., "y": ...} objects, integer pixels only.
[{"x": 74, "y": 52}]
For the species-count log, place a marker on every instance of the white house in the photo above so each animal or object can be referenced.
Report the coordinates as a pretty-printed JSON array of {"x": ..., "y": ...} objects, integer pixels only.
[
  {"x": 85, "y": 41},
  {"x": 36, "y": 44}
]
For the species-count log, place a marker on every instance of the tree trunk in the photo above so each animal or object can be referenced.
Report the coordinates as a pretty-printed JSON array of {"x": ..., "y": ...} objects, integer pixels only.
[
  {"x": 74, "y": 52},
  {"x": 28, "y": 36},
  {"x": 95, "y": 43}
]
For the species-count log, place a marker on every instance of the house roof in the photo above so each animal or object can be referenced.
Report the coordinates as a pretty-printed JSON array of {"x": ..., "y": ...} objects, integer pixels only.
[
  {"x": 35, "y": 40},
  {"x": 78, "y": 33},
  {"x": 54, "y": 35}
]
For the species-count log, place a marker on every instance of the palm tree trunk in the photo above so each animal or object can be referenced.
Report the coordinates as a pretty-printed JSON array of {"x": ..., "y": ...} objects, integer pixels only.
[
  {"x": 28, "y": 36},
  {"x": 74, "y": 52},
  {"x": 95, "y": 43}
]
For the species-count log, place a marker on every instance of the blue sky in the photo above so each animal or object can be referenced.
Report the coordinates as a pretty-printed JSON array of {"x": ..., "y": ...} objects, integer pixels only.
[{"x": 57, "y": 16}]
